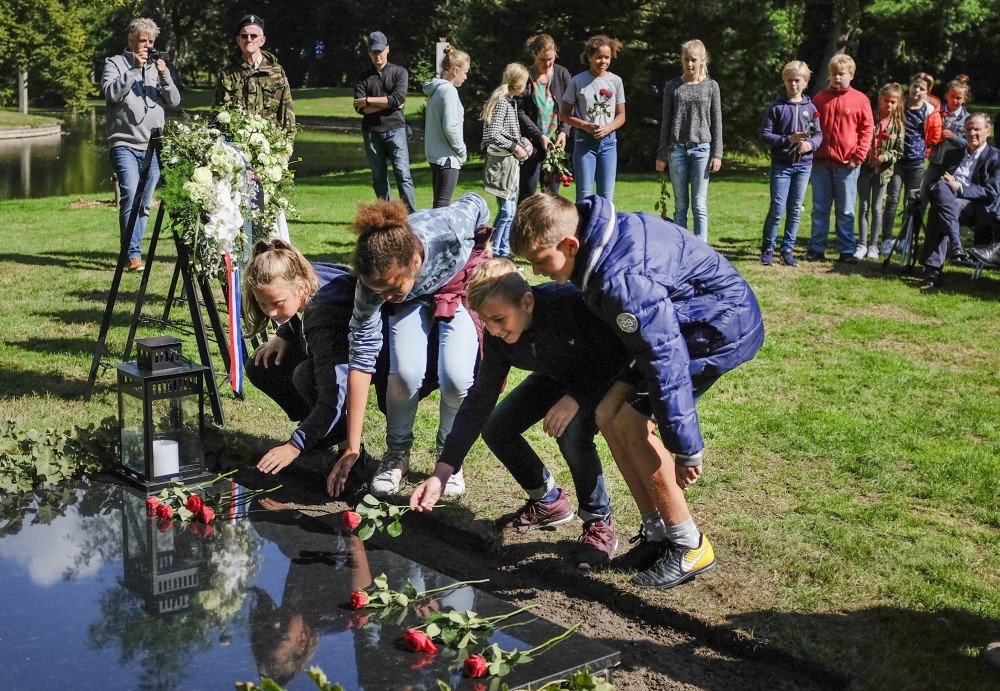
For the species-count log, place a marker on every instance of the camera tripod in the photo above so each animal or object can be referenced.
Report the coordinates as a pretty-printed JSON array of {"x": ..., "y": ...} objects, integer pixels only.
[{"x": 907, "y": 242}]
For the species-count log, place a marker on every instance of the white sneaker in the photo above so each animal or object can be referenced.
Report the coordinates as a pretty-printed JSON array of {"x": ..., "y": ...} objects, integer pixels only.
[
  {"x": 391, "y": 469},
  {"x": 455, "y": 485},
  {"x": 860, "y": 252},
  {"x": 872, "y": 252}
]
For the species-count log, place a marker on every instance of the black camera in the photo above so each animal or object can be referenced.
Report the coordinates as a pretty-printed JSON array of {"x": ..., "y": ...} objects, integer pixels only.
[{"x": 152, "y": 55}]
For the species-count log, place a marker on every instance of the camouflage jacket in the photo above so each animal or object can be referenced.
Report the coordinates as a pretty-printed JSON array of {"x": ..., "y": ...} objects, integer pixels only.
[{"x": 263, "y": 90}]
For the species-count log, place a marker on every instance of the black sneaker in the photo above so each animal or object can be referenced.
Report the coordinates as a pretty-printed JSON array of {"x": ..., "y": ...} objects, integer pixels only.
[
  {"x": 643, "y": 554},
  {"x": 932, "y": 277},
  {"x": 597, "y": 544},
  {"x": 537, "y": 514},
  {"x": 813, "y": 256},
  {"x": 788, "y": 259},
  {"x": 677, "y": 565},
  {"x": 847, "y": 258},
  {"x": 767, "y": 258}
]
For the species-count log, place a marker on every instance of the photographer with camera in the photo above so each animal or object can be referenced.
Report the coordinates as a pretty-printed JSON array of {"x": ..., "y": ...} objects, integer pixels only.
[{"x": 136, "y": 85}]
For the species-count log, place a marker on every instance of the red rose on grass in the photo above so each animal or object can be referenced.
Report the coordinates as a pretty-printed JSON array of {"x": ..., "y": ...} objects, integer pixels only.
[
  {"x": 359, "y": 599},
  {"x": 163, "y": 511},
  {"x": 418, "y": 642},
  {"x": 194, "y": 503},
  {"x": 475, "y": 667},
  {"x": 152, "y": 503},
  {"x": 205, "y": 514},
  {"x": 351, "y": 520}
]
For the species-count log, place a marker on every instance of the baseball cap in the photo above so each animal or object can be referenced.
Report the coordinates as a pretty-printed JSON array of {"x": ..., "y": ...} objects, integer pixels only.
[{"x": 377, "y": 41}]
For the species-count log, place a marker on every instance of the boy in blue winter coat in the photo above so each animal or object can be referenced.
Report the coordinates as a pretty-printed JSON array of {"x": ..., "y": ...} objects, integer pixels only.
[
  {"x": 791, "y": 131},
  {"x": 686, "y": 316}
]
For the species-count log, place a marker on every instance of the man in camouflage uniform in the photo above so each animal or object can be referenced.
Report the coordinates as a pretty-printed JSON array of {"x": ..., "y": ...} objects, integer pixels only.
[{"x": 255, "y": 81}]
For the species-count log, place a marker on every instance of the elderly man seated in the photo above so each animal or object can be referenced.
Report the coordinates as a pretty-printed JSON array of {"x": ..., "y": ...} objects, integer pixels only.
[{"x": 967, "y": 193}]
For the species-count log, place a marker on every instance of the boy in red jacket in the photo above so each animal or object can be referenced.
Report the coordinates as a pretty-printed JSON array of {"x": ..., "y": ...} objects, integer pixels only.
[{"x": 845, "y": 117}]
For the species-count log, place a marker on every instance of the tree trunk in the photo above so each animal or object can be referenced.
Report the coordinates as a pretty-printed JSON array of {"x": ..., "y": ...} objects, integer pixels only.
[
  {"x": 845, "y": 20},
  {"x": 22, "y": 91}
]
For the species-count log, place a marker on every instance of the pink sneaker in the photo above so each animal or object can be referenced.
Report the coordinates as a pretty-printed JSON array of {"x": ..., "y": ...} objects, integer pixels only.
[
  {"x": 537, "y": 514},
  {"x": 598, "y": 543}
]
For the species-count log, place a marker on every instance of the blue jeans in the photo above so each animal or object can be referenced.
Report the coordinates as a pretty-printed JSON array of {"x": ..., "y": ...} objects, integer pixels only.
[
  {"x": 382, "y": 147},
  {"x": 595, "y": 159},
  {"x": 501, "y": 226},
  {"x": 127, "y": 163},
  {"x": 689, "y": 169},
  {"x": 522, "y": 408},
  {"x": 788, "y": 190},
  {"x": 458, "y": 346},
  {"x": 833, "y": 187},
  {"x": 871, "y": 192}
]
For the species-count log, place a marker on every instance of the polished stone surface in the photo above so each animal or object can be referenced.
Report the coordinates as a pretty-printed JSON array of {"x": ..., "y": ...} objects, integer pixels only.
[{"x": 95, "y": 595}]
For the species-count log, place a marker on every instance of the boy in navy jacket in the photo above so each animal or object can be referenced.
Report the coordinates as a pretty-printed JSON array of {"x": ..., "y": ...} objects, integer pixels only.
[
  {"x": 791, "y": 131},
  {"x": 574, "y": 358},
  {"x": 685, "y": 315}
]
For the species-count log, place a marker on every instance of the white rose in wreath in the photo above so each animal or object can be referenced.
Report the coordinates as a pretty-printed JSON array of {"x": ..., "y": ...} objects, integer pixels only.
[
  {"x": 260, "y": 141},
  {"x": 202, "y": 175},
  {"x": 274, "y": 173}
]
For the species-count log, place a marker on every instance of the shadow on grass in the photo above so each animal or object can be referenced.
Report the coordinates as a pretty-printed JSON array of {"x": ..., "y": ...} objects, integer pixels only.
[
  {"x": 16, "y": 383},
  {"x": 886, "y": 647},
  {"x": 90, "y": 261}
]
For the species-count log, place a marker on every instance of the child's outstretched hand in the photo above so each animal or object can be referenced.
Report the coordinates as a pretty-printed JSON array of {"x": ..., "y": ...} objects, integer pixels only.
[
  {"x": 278, "y": 458},
  {"x": 427, "y": 493},
  {"x": 336, "y": 481}
]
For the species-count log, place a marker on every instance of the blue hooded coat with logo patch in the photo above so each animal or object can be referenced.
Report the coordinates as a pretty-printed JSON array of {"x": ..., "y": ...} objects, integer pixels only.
[{"x": 679, "y": 307}]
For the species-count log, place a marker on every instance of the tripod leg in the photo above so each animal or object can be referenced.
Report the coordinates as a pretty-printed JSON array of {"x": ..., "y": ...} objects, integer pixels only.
[
  {"x": 183, "y": 259},
  {"x": 140, "y": 297}
]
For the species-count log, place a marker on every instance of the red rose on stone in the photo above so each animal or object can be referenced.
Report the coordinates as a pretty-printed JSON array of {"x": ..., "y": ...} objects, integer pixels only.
[
  {"x": 205, "y": 514},
  {"x": 194, "y": 503},
  {"x": 164, "y": 526},
  {"x": 163, "y": 511},
  {"x": 475, "y": 667},
  {"x": 357, "y": 620},
  {"x": 418, "y": 642},
  {"x": 359, "y": 599},
  {"x": 351, "y": 520},
  {"x": 422, "y": 661},
  {"x": 152, "y": 503}
]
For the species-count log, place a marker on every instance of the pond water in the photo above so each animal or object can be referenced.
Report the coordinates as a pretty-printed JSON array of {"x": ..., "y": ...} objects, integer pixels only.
[
  {"x": 77, "y": 162},
  {"x": 97, "y": 595}
]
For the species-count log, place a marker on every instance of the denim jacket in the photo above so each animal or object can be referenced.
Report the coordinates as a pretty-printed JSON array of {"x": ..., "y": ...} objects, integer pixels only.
[{"x": 447, "y": 236}]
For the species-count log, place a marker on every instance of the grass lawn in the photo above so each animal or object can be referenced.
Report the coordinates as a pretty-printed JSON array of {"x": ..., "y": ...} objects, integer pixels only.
[
  {"x": 852, "y": 469},
  {"x": 12, "y": 118}
]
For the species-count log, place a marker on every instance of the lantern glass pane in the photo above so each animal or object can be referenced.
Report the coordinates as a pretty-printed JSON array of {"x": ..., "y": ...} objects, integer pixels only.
[
  {"x": 176, "y": 435},
  {"x": 133, "y": 435}
]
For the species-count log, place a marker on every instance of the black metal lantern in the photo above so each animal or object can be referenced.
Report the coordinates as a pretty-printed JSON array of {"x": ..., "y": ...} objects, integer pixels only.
[
  {"x": 160, "y": 416},
  {"x": 164, "y": 566}
]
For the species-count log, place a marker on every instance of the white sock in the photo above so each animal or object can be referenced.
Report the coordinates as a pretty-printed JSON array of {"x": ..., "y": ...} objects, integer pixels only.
[{"x": 684, "y": 535}]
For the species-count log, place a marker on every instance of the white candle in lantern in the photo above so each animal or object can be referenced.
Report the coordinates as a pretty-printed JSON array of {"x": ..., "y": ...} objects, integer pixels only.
[{"x": 166, "y": 457}]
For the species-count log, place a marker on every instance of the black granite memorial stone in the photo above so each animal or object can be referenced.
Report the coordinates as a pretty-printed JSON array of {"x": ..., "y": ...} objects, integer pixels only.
[{"x": 97, "y": 595}]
